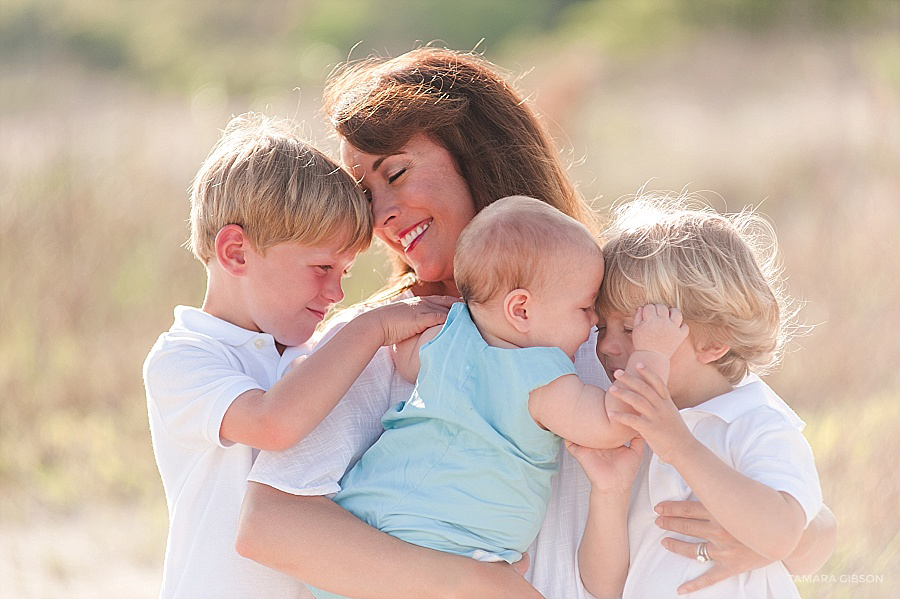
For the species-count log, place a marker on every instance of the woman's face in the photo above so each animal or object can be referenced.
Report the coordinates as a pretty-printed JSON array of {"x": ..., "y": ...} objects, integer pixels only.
[{"x": 420, "y": 201}]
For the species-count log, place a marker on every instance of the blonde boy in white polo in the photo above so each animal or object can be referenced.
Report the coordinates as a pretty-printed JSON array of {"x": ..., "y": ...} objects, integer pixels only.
[{"x": 277, "y": 225}]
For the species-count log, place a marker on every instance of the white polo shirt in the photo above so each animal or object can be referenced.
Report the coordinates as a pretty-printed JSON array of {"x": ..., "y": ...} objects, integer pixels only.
[
  {"x": 192, "y": 374},
  {"x": 316, "y": 464},
  {"x": 752, "y": 430}
]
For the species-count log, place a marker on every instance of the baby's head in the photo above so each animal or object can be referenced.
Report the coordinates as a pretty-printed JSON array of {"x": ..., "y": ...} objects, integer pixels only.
[
  {"x": 264, "y": 178},
  {"x": 519, "y": 244},
  {"x": 721, "y": 271}
]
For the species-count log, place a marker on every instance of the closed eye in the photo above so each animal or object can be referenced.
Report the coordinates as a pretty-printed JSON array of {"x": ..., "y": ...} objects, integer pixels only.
[{"x": 396, "y": 175}]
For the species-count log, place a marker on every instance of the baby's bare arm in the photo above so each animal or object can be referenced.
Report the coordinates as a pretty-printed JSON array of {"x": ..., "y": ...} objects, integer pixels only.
[
  {"x": 577, "y": 412},
  {"x": 406, "y": 354}
]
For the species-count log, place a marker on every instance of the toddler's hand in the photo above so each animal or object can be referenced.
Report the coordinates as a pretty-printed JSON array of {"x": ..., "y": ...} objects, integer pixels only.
[
  {"x": 657, "y": 418},
  {"x": 659, "y": 329},
  {"x": 611, "y": 471},
  {"x": 403, "y": 319}
]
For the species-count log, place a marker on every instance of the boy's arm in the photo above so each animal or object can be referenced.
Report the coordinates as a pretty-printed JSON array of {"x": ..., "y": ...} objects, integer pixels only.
[
  {"x": 317, "y": 541},
  {"x": 769, "y": 522},
  {"x": 603, "y": 555},
  {"x": 276, "y": 419},
  {"x": 406, "y": 354}
]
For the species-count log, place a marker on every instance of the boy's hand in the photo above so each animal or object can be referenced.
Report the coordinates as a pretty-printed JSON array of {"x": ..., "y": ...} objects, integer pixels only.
[
  {"x": 657, "y": 419},
  {"x": 406, "y": 318},
  {"x": 611, "y": 471},
  {"x": 659, "y": 329}
]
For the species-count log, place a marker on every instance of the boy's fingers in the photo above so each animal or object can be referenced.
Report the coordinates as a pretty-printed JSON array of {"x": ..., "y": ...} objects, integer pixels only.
[
  {"x": 652, "y": 380},
  {"x": 636, "y": 385},
  {"x": 629, "y": 420}
]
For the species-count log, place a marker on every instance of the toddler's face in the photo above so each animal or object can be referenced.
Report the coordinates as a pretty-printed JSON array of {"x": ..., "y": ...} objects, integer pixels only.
[
  {"x": 292, "y": 286},
  {"x": 564, "y": 313},
  {"x": 614, "y": 344}
]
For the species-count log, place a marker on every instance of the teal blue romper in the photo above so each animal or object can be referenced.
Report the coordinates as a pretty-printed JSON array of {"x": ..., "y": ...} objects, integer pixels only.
[{"x": 462, "y": 466}]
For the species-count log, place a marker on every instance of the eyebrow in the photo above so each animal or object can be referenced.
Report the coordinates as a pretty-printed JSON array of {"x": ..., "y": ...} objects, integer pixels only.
[{"x": 378, "y": 162}]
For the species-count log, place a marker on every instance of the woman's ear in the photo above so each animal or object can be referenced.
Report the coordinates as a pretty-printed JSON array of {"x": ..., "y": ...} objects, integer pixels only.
[
  {"x": 516, "y": 308},
  {"x": 231, "y": 250}
]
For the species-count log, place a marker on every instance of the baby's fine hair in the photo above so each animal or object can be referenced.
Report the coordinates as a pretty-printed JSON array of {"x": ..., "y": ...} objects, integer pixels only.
[
  {"x": 721, "y": 270},
  {"x": 516, "y": 242},
  {"x": 262, "y": 176}
]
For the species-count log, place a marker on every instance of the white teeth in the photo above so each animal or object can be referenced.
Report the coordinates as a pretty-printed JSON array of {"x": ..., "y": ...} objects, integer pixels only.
[{"x": 411, "y": 236}]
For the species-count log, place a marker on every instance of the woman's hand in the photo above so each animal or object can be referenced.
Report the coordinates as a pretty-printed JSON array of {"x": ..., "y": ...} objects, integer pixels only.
[{"x": 730, "y": 557}]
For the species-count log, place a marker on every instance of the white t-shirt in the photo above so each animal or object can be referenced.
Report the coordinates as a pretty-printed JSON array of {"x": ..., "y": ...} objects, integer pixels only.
[
  {"x": 192, "y": 374},
  {"x": 752, "y": 430},
  {"x": 316, "y": 464}
]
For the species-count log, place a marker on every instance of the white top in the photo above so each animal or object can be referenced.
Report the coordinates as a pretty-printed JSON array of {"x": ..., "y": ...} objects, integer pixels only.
[
  {"x": 192, "y": 374},
  {"x": 752, "y": 430},
  {"x": 316, "y": 465}
]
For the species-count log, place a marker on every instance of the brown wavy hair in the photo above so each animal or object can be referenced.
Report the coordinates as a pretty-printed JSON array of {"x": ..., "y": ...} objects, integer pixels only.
[{"x": 463, "y": 103}]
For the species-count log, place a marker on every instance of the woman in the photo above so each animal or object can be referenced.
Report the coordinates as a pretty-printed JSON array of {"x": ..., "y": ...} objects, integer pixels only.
[{"x": 433, "y": 136}]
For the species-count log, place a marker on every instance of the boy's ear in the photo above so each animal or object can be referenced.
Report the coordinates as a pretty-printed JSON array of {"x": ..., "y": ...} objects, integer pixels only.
[
  {"x": 231, "y": 250},
  {"x": 708, "y": 352},
  {"x": 516, "y": 308}
]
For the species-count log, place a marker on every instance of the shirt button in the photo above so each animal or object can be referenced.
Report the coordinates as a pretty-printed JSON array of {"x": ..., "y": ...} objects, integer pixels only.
[{"x": 259, "y": 343}]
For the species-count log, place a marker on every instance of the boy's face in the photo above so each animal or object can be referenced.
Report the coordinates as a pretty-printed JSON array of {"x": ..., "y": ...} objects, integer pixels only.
[
  {"x": 564, "y": 312},
  {"x": 614, "y": 347},
  {"x": 290, "y": 288}
]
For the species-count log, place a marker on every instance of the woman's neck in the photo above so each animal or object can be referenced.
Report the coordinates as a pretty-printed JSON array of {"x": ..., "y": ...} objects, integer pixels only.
[{"x": 435, "y": 288}]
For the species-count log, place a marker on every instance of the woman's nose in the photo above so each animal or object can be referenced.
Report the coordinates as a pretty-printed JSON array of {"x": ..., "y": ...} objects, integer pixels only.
[{"x": 384, "y": 208}]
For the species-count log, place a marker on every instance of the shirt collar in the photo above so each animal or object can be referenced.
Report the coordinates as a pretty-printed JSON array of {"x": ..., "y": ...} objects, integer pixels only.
[
  {"x": 751, "y": 393},
  {"x": 198, "y": 321}
]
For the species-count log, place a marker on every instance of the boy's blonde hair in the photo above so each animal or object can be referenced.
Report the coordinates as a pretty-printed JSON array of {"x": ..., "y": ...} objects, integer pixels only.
[
  {"x": 515, "y": 242},
  {"x": 722, "y": 271},
  {"x": 262, "y": 176}
]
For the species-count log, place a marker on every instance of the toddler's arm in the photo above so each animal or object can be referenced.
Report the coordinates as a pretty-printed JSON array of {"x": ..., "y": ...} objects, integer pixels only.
[
  {"x": 603, "y": 555},
  {"x": 578, "y": 412},
  {"x": 276, "y": 419},
  {"x": 766, "y": 520}
]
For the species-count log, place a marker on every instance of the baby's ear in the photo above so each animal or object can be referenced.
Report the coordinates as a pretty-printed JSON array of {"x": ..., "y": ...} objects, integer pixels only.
[
  {"x": 516, "y": 308},
  {"x": 231, "y": 250}
]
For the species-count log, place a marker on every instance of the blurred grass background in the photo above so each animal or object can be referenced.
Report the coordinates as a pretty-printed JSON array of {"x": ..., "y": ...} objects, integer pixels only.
[{"x": 107, "y": 108}]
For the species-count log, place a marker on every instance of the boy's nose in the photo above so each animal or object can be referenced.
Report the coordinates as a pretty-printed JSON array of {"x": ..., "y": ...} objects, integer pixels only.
[{"x": 333, "y": 291}]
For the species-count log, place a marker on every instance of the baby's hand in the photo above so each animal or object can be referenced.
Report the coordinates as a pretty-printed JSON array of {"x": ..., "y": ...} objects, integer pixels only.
[
  {"x": 406, "y": 318},
  {"x": 659, "y": 329}
]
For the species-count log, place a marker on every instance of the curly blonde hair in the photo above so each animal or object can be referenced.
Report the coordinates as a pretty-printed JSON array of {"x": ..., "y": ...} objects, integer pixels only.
[{"x": 723, "y": 271}]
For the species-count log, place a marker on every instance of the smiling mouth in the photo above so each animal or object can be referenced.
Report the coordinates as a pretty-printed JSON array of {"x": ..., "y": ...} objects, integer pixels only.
[
  {"x": 318, "y": 313},
  {"x": 407, "y": 240}
]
